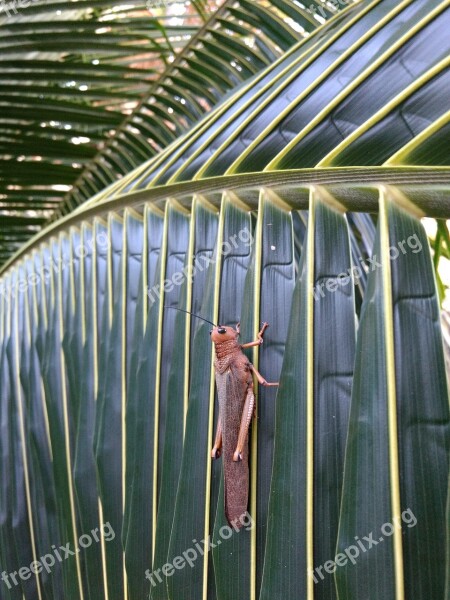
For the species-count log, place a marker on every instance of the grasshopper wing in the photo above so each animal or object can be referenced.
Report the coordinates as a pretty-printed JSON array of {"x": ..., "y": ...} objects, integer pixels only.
[{"x": 233, "y": 390}]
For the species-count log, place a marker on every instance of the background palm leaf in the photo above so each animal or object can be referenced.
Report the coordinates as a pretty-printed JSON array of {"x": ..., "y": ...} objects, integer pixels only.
[
  {"x": 117, "y": 84},
  {"x": 108, "y": 398}
]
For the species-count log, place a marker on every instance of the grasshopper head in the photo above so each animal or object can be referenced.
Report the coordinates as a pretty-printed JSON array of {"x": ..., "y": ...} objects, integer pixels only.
[{"x": 223, "y": 333}]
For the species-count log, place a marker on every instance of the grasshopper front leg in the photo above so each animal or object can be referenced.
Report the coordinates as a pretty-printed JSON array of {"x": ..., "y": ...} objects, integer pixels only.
[{"x": 260, "y": 340}]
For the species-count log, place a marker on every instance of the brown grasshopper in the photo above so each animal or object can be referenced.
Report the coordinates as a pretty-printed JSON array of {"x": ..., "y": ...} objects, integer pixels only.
[{"x": 234, "y": 380}]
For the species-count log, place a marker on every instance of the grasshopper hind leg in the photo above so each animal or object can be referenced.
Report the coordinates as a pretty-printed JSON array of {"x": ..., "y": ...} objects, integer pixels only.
[
  {"x": 247, "y": 414},
  {"x": 217, "y": 448}
]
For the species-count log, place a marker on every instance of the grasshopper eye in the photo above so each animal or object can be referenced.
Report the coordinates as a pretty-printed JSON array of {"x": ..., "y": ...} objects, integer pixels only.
[{"x": 222, "y": 330}]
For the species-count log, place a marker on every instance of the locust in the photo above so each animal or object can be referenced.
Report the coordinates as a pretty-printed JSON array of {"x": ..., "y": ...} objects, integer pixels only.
[
  {"x": 236, "y": 395},
  {"x": 235, "y": 391}
]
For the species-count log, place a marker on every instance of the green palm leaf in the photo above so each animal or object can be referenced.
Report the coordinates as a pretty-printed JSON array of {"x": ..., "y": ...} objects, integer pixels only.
[{"x": 254, "y": 162}]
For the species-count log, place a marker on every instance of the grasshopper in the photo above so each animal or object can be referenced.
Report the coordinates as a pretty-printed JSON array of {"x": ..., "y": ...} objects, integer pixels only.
[{"x": 234, "y": 380}]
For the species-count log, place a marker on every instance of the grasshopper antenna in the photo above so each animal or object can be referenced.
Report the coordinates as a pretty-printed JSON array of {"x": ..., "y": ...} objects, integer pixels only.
[{"x": 191, "y": 313}]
